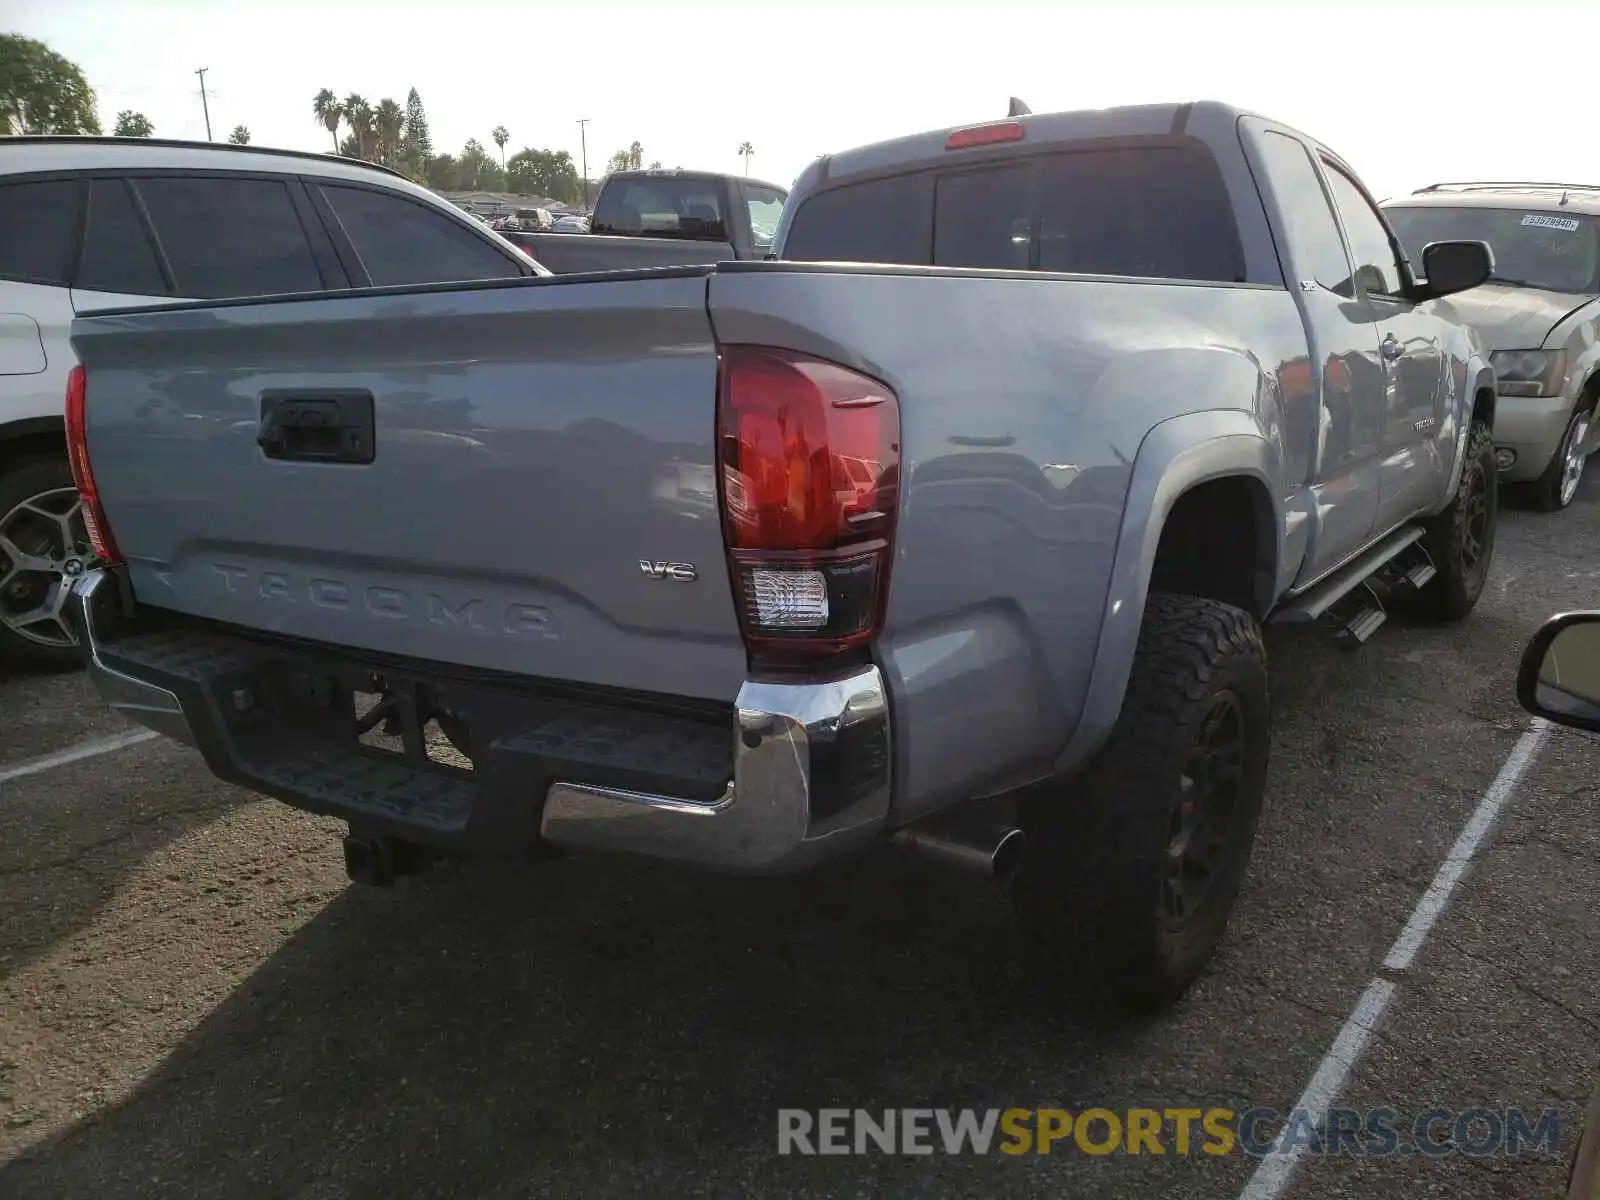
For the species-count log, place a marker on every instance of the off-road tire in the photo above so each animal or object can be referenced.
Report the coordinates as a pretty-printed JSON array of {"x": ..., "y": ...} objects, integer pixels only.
[
  {"x": 1546, "y": 490},
  {"x": 1092, "y": 884},
  {"x": 24, "y": 479},
  {"x": 1451, "y": 536}
]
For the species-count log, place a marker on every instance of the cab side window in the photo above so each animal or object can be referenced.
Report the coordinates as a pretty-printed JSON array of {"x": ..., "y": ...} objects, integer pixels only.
[
  {"x": 1313, "y": 232},
  {"x": 1377, "y": 268}
]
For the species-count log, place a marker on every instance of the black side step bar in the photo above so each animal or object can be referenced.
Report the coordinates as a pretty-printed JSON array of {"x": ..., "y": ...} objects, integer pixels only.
[{"x": 1318, "y": 599}]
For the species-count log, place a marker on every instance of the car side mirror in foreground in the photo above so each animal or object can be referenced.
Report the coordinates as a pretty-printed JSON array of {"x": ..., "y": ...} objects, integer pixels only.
[
  {"x": 1451, "y": 267},
  {"x": 1559, "y": 679}
]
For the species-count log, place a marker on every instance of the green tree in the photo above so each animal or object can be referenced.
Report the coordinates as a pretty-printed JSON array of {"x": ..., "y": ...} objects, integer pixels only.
[
  {"x": 501, "y": 137},
  {"x": 239, "y": 137},
  {"x": 416, "y": 148},
  {"x": 132, "y": 124},
  {"x": 478, "y": 170},
  {"x": 443, "y": 173},
  {"x": 629, "y": 159},
  {"x": 549, "y": 173},
  {"x": 358, "y": 115},
  {"x": 388, "y": 121},
  {"x": 41, "y": 92},
  {"x": 329, "y": 113},
  {"x": 746, "y": 152}
]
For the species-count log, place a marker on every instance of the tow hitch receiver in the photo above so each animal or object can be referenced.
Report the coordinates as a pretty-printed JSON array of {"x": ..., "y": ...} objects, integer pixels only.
[{"x": 379, "y": 861}]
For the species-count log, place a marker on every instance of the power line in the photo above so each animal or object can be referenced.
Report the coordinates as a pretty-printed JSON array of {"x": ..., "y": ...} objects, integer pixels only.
[{"x": 205, "y": 106}]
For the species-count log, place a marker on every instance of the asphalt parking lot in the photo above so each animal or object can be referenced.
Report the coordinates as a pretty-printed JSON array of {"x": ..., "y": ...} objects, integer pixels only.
[{"x": 193, "y": 1002}]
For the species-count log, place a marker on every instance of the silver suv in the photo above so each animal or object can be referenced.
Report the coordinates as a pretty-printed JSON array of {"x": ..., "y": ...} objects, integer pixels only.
[
  {"x": 90, "y": 223},
  {"x": 1539, "y": 315}
]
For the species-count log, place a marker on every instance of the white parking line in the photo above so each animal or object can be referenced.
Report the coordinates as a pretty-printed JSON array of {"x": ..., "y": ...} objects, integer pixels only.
[
  {"x": 1275, "y": 1171},
  {"x": 1455, "y": 864},
  {"x": 90, "y": 749}
]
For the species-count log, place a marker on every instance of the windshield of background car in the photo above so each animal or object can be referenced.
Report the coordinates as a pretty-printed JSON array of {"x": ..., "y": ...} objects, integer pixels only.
[
  {"x": 1555, "y": 251},
  {"x": 660, "y": 208}
]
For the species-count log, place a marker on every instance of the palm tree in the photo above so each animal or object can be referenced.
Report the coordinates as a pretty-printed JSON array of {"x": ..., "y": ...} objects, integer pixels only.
[
  {"x": 746, "y": 150},
  {"x": 389, "y": 120},
  {"x": 240, "y": 136},
  {"x": 328, "y": 111},
  {"x": 358, "y": 115},
  {"x": 501, "y": 137}
]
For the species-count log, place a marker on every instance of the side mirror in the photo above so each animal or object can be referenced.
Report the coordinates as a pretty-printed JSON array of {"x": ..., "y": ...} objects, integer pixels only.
[
  {"x": 1451, "y": 267},
  {"x": 1559, "y": 679}
]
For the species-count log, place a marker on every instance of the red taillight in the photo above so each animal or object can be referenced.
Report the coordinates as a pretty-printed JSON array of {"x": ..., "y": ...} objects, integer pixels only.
[
  {"x": 985, "y": 135},
  {"x": 94, "y": 517},
  {"x": 809, "y": 456}
]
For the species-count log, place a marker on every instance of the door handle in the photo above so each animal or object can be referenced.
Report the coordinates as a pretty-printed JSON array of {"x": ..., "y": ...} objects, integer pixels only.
[{"x": 1392, "y": 347}]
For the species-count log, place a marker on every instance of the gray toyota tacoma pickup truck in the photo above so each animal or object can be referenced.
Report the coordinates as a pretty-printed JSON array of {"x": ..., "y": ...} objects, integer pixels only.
[{"x": 955, "y": 526}]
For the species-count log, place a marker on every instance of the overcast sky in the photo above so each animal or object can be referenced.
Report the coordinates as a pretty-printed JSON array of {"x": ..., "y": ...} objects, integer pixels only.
[{"x": 1410, "y": 91}]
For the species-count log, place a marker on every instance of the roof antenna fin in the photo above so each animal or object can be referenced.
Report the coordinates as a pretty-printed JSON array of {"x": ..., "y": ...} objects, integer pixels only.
[{"x": 1018, "y": 109}]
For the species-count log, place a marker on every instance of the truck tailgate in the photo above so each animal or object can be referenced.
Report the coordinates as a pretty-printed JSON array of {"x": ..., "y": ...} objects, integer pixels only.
[{"x": 533, "y": 445}]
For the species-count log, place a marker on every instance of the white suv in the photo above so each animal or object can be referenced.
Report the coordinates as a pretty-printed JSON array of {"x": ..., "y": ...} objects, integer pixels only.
[{"x": 90, "y": 223}]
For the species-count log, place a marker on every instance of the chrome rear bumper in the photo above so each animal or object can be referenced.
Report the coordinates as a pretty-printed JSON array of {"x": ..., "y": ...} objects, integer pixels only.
[
  {"x": 90, "y": 608},
  {"x": 810, "y": 782}
]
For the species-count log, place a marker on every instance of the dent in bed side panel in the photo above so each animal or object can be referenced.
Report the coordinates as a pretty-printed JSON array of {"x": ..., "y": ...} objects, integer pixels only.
[
  {"x": 1024, "y": 401},
  {"x": 1178, "y": 455},
  {"x": 534, "y": 443}
]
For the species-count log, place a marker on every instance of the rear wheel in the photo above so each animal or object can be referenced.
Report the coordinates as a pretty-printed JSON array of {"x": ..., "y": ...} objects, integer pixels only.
[
  {"x": 1133, "y": 867},
  {"x": 42, "y": 543},
  {"x": 1556, "y": 488}
]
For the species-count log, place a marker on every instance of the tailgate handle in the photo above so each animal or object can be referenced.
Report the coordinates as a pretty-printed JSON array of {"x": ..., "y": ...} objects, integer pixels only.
[{"x": 317, "y": 426}]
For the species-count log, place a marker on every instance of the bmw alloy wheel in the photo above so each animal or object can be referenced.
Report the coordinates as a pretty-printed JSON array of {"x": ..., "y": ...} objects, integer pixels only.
[{"x": 42, "y": 543}]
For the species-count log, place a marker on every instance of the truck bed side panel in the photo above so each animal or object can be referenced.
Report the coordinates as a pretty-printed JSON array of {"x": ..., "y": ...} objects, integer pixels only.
[
  {"x": 1024, "y": 401},
  {"x": 534, "y": 443}
]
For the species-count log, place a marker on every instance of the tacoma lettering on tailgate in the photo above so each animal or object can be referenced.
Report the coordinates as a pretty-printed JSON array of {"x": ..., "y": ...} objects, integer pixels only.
[{"x": 389, "y": 602}]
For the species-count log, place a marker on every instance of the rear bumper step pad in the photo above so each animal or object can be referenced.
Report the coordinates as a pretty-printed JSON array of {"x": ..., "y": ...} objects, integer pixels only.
[{"x": 793, "y": 774}]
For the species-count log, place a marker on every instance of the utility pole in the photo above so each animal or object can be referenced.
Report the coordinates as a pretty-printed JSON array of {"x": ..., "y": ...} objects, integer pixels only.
[
  {"x": 583, "y": 141},
  {"x": 203, "y": 105}
]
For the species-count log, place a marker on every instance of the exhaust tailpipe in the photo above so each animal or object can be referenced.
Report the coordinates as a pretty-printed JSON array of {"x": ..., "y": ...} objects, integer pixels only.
[{"x": 983, "y": 848}]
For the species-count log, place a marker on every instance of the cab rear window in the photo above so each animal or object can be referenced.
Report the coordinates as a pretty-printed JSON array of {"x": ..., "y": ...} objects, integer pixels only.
[{"x": 1159, "y": 211}]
